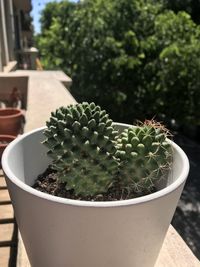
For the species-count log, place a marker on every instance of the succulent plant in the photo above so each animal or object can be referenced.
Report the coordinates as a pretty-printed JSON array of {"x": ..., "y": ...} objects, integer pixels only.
[
  {"x": 145, "y": 156},
  {"x": 90, "y": 156},
  {"x": 81, "y": 141}
]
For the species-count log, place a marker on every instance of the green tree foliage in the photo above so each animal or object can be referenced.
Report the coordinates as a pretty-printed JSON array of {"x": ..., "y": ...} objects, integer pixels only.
[
  {"x": 133, "y": 57},
  {"x": 190, "y": 6},
  {"x": 179, "y": 65},
  {"x": 55, "y": 40}
]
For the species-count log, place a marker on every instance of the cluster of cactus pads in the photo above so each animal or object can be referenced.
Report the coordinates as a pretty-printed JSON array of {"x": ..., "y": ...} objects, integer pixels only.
[{"x": 90, "y": 155}]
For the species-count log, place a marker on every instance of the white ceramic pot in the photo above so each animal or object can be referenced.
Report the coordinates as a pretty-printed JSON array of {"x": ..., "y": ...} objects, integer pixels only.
[{"x": 61, "y": 232}]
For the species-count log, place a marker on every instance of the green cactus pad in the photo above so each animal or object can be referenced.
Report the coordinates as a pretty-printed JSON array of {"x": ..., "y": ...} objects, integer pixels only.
[
  {"x": 81, "y": 141},
  {"x": 145, "y": 156}
]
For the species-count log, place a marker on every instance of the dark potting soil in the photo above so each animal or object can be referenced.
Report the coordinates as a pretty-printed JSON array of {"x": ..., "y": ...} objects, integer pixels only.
[{"x": 48, "y": 182}]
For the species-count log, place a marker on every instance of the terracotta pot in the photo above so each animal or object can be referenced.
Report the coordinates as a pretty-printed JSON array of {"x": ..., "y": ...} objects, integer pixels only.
[
  {"x": 4, "y": 141},
  {"x": 11, "y": 120}
]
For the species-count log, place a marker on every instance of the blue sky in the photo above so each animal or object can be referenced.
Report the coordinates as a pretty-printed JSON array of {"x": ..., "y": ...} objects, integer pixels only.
[{"x": 38, "y": 5}]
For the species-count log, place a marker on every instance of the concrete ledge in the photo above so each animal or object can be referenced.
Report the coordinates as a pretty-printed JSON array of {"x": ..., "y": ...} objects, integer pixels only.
[
  {"x": 57, "y": 75},
  {"x": 174, "y": 253},
  {"x": 48, "y": 74},
  {"x": 44, "y": 95},
  {"x": 10, "y": 67}
]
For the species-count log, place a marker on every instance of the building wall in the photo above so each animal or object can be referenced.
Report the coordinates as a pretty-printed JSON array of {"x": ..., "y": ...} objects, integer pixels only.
[
  {"x": 11, "y": 30},
  {"x": 9, "y": 17},
  {"x": 3, "y": 36}
]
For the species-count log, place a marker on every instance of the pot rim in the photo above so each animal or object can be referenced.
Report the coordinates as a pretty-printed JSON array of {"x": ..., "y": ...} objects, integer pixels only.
[
  {"x": 17, "y": 114},
  {"x": 139, "y": 200},
  {"x": 8, "y": 135}
]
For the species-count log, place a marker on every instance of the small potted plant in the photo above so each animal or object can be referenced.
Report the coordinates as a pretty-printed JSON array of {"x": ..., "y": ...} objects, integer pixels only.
[
  {"x": 108, "y": 195},
  {"x": 4, "y": 141},
  {"x": 11, "y": 121}
]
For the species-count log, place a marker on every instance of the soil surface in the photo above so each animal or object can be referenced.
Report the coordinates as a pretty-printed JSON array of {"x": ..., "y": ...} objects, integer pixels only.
[{"x": 48, "y": 182}]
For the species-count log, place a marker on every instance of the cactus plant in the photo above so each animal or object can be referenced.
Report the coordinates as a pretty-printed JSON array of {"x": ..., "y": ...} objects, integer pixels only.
[
  {"x": 81, "y": 141},
  {"x": 91, "y": 157},
  {"x": 145, "y": 156}
]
